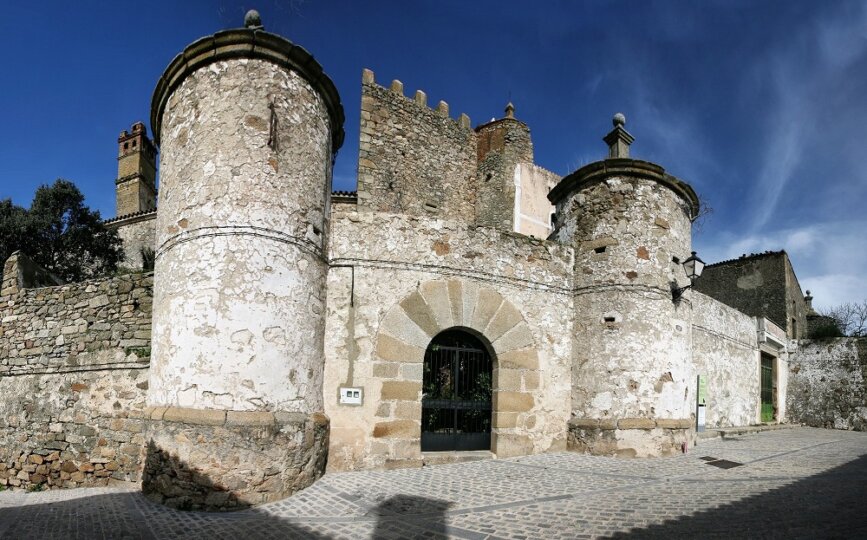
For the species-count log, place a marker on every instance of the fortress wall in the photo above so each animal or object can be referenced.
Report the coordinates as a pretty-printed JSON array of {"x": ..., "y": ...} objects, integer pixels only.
[
  {"x": 413, "y": 277},
  {"x": 73, "y": 377},
  {"x": 413, "y": 159},
  {"x": 828, "y": 383},
  {"x": 724, "y": 349}
]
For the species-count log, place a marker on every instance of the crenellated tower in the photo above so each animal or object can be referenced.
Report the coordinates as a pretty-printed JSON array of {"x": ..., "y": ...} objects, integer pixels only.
[
  {"x": 633, "y": 382},
  {"x": 248, "y": 125}
]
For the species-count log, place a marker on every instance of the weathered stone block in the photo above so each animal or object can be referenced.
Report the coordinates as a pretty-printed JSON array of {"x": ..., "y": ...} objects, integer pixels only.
[
  {"x": 207, "y": 417},
  {"x": 395, "y": 350},
  {"x": 513, "y": 401},
  {"x": 508, "y": 379},
  {"x": 519, "y": 359},
  {"x": 636, "y": 423},
  {"x": 397, "y": 429},
  {"x": 510, "y": 445},
  {"x": 404, "y": 390}
]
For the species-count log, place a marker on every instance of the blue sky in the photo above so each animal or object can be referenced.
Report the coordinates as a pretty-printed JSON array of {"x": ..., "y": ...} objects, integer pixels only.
[{"x": 759, "y": 105}]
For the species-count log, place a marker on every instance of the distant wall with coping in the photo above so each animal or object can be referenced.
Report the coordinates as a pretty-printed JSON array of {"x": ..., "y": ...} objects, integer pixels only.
[
  {"x": 828, "y": 383},
  {"x": 761, "y": 285},
  {"x": 73, "y": 376},
  {"x": 138, "y": 233}
]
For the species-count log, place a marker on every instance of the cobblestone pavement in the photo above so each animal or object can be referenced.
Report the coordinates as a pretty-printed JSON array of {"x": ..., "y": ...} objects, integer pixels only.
[{"x": 794, "y": 483}]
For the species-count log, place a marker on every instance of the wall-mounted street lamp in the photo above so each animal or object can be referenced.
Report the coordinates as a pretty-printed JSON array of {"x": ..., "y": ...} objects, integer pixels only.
[{"x": 693, "y": 267}]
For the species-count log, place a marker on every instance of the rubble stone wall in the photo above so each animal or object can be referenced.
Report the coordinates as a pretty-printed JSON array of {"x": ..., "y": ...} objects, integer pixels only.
[
  {"x": 633, "y": 378},
  {"x": 828, "y": 383},
  {"x": 413, "y": 159},
  {"x": 761, "y": 285},
  {"x": 73, "y": 378}
]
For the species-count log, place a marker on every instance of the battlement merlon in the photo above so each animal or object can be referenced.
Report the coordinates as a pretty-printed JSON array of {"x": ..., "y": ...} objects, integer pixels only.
[{"x": 420, "y": 97}]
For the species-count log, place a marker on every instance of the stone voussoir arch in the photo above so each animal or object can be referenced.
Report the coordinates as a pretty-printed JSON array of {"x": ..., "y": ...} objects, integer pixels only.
[{"x": 437, "y": 305}]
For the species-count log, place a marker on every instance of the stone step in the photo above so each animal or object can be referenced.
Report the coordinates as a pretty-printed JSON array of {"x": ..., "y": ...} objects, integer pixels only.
[
  {"x": 442, "y": 458},
  {"x": 716, "y": 433}
]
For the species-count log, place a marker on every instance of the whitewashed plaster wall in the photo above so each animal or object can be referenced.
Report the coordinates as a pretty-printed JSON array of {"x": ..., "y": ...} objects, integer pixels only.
[
  {"x": 239, "y": 299},
  {"x": 724, "y": 348}
]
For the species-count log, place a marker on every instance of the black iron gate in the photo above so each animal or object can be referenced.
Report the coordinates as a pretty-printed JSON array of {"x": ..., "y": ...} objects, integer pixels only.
[{"x": 456, "y": 400}]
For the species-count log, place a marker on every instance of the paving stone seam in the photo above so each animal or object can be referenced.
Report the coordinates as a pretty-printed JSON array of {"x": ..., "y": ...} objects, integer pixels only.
[
  {"x": 576, "y": 471},
  {"x": 757, "y": 460},
  {"x": 647, "y": 482}
]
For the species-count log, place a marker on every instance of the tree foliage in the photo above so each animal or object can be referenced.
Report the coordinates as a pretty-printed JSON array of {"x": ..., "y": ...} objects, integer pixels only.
[
  {"x": 60, "y": 234},
  {"x": 851, "y": 318}
]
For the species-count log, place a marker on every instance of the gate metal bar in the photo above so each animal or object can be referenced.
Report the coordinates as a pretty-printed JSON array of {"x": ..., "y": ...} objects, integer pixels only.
[{"x": 456, "y": 405}]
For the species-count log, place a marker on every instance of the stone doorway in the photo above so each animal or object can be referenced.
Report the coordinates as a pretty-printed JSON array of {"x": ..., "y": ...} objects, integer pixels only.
[
  {"x": 456, "y": 393},
  {"x": 768, "y": 389}
]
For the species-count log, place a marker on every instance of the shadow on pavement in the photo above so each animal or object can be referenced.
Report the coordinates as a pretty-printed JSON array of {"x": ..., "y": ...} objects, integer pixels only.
[
  {"x": 405, "y": 516},
  {"x": 827, "y": 505},
  {"x": 129, "y": 515}
]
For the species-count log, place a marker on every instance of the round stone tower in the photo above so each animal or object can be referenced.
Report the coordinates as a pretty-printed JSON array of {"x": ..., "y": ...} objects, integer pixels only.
[
  {"x": 633, "y": 382},
  {"x": 248, "y": 125}
]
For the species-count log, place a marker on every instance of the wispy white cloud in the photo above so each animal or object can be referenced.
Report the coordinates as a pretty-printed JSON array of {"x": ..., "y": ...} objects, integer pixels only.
[{"x": 800, "y": 72}]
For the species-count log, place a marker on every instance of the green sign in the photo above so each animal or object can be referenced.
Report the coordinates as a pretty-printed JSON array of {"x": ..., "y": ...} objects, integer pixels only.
[{"x": 702, "y": 390}]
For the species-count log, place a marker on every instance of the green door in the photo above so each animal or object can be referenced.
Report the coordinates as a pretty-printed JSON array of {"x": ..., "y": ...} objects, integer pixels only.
[{"x": 768, "y": 387}]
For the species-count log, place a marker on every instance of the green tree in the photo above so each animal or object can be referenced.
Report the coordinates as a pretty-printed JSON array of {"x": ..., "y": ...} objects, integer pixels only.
[
  {"x": 60, "y": 234},
  {"x": 13, "y": 222}
]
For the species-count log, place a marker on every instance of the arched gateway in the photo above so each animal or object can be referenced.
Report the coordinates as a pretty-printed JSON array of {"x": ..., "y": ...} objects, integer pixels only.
[
  {"x": 456, "y": 332},
  {"x": 456, "y": 393}
]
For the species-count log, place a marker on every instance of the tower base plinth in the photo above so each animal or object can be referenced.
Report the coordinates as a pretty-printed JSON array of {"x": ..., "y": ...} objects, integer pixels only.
[
  {"x": 630, "y": 437},
  {"x": 204, "y": 459}
]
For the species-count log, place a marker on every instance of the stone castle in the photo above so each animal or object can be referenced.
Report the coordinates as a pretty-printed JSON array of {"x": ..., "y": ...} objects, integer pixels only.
[{"x": 463, "y": 299}]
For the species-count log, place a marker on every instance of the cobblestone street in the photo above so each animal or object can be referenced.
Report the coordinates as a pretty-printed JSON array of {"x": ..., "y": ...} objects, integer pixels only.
[{"x": 793, "y": 483}]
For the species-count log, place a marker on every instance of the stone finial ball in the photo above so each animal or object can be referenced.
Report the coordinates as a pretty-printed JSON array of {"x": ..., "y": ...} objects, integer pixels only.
[
  {"x": 619, "y": 119},
  {"x": 252, "y": 19}
]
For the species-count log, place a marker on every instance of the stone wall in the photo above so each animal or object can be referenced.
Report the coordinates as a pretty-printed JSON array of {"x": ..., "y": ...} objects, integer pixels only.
[
  {"x": 73, "y": 376},
  {"x": 413, "y": 159},
  {"x": 138, "y": 234},
  {"x": 413, "y": 277},
  {"x": 761, "y": 285},
  {"x": 828, "y": 383},
  {"x": 724, "y": 349}
]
